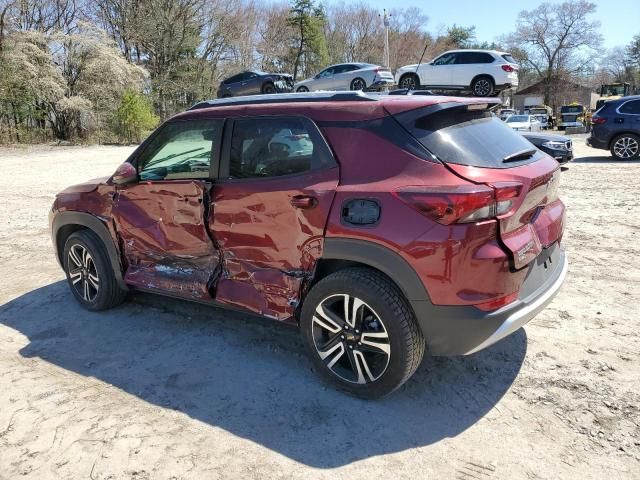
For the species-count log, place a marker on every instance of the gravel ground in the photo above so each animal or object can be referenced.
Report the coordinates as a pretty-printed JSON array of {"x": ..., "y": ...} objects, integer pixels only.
[{"x": 163, "y": 389}]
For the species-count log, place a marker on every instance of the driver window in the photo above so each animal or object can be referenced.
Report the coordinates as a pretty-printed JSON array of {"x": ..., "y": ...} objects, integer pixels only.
[
  {"x": 272, "y": 147},
  {"x": 446, "y": 59},
  {"x": 181, "y": 150},
  {"x": 326, "y": 73}
]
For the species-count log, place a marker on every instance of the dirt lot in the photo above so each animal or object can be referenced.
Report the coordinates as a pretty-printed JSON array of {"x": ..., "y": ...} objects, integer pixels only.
[{"x": 162, "y": 389}]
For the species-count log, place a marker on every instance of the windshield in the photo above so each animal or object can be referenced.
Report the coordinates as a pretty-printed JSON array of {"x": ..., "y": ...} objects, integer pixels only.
[
  {"x": 475, "y": 138},
  {"x": 518, "y": 118},
  {"x": 611, "y": 90},
  {"x": 571, "y": 109}
]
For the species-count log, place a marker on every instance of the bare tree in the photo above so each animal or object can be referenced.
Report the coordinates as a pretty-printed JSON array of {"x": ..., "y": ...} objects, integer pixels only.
[{"x": 552, "y": 39}]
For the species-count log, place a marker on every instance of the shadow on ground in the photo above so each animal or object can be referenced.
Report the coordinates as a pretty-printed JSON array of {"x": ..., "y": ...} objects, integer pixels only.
[{"x": 250, "y": 376}]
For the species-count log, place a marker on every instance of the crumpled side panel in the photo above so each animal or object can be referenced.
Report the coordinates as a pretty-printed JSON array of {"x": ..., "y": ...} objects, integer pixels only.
[{"x": 165, "y": 239}]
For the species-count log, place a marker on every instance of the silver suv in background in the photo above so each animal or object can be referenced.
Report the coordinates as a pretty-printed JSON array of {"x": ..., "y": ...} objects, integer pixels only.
[
  {"x": 483, "y": 72},
  {"x": 348, "y": 76}
]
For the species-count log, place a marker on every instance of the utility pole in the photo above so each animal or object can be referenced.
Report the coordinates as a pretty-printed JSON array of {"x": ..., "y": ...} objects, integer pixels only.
[{"x": 385, "y": 21}]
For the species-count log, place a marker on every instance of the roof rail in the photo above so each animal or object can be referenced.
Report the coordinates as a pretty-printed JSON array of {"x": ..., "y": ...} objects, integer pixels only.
[{"x": 346, "y": 96}]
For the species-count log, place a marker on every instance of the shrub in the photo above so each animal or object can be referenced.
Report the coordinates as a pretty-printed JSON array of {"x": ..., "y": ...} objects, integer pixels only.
[{"x": 134, "y": 117}]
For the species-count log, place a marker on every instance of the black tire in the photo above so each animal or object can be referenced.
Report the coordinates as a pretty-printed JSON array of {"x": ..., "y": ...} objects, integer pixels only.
[
  {"x": 268, "y": 88},
  {"x": 302, "y": 89},
  {"x": 483, "y": 86},
  {"x": 410, "y": 81},
  {"x": 625, "y": 147},
  {"x": 108, "y": 294},
  {"x": 358, "y": 84},
  {"x": 226, "y": 95},
  {"x": 383, "y": 312}
]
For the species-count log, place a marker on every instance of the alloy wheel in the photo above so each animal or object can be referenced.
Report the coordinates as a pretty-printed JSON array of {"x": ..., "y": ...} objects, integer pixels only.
[
  {"x": 351, "y": 339},
  {"x": 626, "y": 147},
  {"x": 408, "y": 82},
  {"x": 482, "y": 87},
  {"x": 83, "y": 273},
  {"x": 357, "y": 84}
]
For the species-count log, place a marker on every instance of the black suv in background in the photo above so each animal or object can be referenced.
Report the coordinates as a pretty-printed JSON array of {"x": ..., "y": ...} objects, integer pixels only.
[{"x": 616, "y": 127}]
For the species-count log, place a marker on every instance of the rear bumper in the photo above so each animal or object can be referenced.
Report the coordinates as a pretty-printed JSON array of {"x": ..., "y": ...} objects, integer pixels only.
[
  {"x": 452, "y": 330},
  {"x": 380, "y": 83},
  {"x": 596, "y": 143}
]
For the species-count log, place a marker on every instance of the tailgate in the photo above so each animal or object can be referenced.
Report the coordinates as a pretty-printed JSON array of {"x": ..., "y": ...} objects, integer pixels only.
[
  {"x": 475, "y": 145},
  {"x": 536, "y": 218}
]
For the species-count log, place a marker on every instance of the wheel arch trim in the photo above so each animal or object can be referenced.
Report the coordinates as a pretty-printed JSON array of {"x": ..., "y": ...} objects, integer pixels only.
[
  {"x": 97, "y": 226},
  {"x": 381, "y": 258}
]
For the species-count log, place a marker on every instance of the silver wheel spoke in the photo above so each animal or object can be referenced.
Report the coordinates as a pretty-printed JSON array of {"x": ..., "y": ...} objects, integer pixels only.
[
  {"x": 85, "y": 290},
  {"x": 337, "y": 351},
  {"x": 93, "y": 280},
  {"x": 360, "y": 360},
  {"x": 323, "y": 319},
  {"x": 365, "y": 339},
  {"x": 75, "y": 276},
  {"x": 73, "y": 255}
]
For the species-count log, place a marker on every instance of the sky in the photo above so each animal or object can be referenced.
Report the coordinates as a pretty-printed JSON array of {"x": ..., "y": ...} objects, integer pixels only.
[{"x": 620, "y": 19}]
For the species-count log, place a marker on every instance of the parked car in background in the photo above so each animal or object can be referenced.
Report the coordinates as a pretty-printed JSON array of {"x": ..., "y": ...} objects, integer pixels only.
[
  {"x": 483, "y": 72},
  {"x": 255, "y": 82},
  {"x": 616, "y": 127},
  {"x": 558, "y": 146},
  {"x": 527, "y": 123},
  {"x": 506, "y": 113},
  {"x": 453, "y": 245},
  {"x": 348, "y": 76}
]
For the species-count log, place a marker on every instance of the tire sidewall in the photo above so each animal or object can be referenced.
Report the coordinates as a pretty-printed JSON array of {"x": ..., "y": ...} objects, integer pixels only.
[
  {"x": 397, "y": 359},
  {"x": 475, "y": 82},
  {"x": 103, "y": 269},
  {"x": 302, "y": 90}
]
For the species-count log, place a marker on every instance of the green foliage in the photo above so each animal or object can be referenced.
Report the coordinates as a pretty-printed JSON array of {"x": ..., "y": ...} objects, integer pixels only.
[
  {"x": 309, "y": 45},
  {"x": 633, "y": 51},
  {"x": 134, "y": 117},
  {"x": 461, "y": 37}
]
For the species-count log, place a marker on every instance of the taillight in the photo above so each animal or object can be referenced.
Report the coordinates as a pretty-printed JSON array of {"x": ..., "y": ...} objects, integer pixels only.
[
  {"x": 508, "y": 68},
  {"x": 598, "y": 120},
  {"x": 461, "y": 204}
]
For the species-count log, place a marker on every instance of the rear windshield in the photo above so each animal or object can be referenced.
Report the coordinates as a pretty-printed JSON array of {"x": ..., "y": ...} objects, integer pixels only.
[
  {"x": 475, "y": 138},
  {"x": 571, "y": 109}
]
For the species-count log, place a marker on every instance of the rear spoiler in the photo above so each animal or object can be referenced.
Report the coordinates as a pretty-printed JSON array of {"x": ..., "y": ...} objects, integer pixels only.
[{"x": 488, "y": 105}]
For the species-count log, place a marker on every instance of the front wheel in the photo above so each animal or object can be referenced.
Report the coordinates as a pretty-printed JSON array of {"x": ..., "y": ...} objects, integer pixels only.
[
  {"x": 409, "y": 81},
  {"x": 268, "y": 88},
  {"x": 360, "y": 332},
  {"x": 302, "y": 89},
  {"x": 89, "y": 273},
  {"x": 482, "y": 87},
  {"x": 626, "y": 147}
]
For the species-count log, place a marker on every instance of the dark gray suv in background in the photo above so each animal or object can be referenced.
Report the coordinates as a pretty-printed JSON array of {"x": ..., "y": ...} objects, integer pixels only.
[
  {"x": 616, "y": 127},
  {"x": 254, "y": 83}
]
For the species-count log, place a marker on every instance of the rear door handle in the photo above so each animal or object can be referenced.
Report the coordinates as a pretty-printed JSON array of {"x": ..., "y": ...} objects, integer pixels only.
[{"x": 303, "y": 201}]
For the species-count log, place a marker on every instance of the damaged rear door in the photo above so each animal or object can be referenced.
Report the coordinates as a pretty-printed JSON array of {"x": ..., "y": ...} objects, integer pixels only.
[
  {"x": 269, "y": 211},
  {"x": 161, "y": 219}
]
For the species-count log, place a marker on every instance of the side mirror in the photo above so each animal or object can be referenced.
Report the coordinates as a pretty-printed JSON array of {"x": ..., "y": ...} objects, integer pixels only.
[{"x": 125, "y": 173}]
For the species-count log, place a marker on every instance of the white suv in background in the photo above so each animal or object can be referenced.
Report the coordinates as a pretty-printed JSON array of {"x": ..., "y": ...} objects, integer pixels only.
[{"x": 483, "y": 72}]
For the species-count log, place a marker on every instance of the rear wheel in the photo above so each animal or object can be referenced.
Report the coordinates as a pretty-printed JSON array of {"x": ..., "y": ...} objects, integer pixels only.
[
  {"x": 361, "y": 333},
  {"x": 358, "y": 84},
  {"x": 482, "y": 86},
  {"x": 89, "y": 273},
  {"x": 626, "y": 146},
  {"x": 302, "y": 89}
]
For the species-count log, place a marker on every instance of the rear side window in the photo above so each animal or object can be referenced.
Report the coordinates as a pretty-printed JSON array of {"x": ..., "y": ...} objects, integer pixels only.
[
  {"x": 276, "y": 146},
  {"x": 475, "y": 138},
  {"x": 508, "y": 58},
  {"x": 473, "y": 57},
  {"x": 632, "y": 107}
]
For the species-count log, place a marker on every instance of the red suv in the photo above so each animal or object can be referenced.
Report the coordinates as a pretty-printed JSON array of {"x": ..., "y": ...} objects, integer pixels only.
[{"x": 378, "y": 224}]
